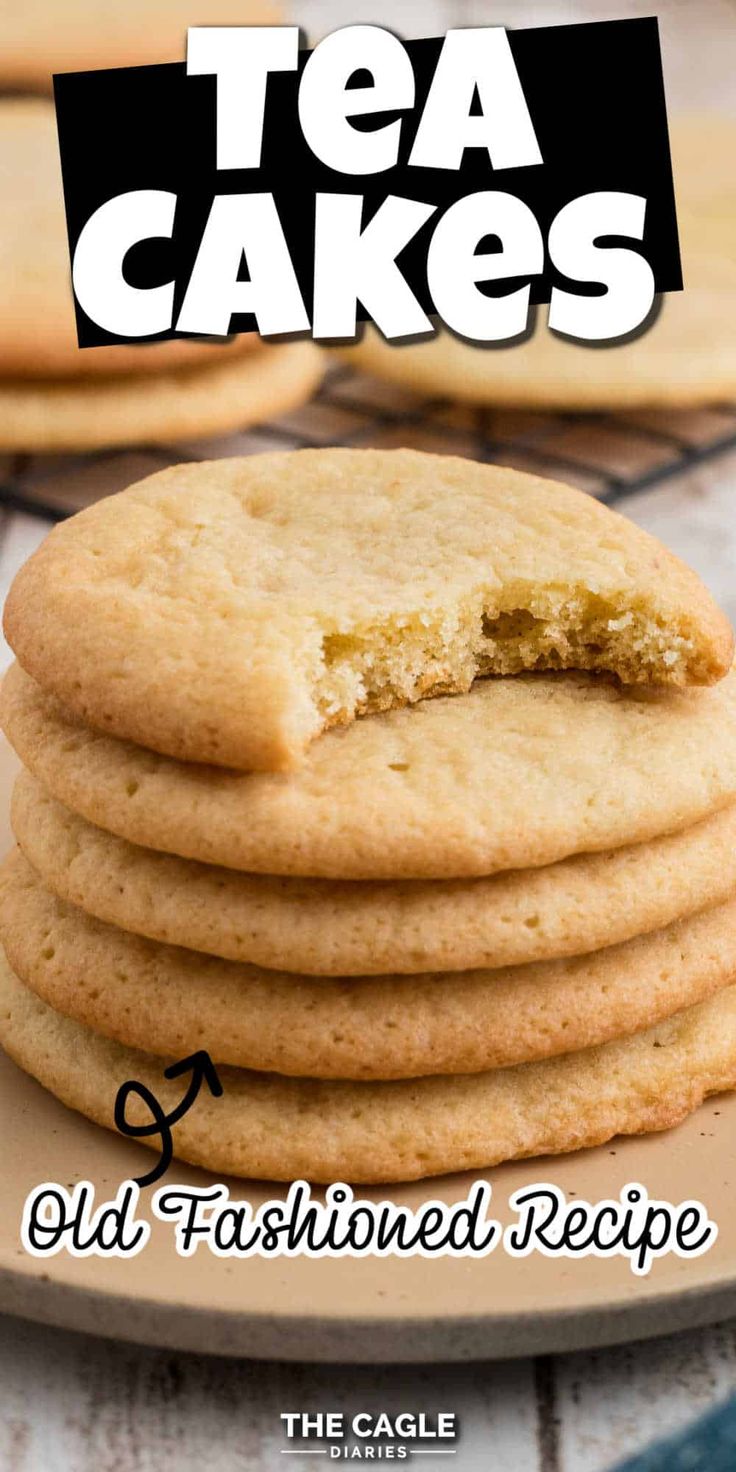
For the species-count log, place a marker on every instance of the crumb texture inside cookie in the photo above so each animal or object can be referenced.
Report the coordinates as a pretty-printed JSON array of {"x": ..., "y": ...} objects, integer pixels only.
[
  {"x": 231, "y": 611},
  {"x": 406, "y": 658}
]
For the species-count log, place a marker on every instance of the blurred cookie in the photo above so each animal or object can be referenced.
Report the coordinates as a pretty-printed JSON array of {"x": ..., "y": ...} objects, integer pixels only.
[
  {"x": 687, "y": 357},
  {"x": 40, "y": 37},
  {"x": 179, "y": 404},
  {"x": 38, "y": 337},
  {"x": 326, "y": 928},
  {"x": 274, "y": 1128}
]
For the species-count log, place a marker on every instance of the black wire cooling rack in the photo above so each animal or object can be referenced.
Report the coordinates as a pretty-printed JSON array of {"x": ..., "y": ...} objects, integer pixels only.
[{"x": 609, "y": 455}]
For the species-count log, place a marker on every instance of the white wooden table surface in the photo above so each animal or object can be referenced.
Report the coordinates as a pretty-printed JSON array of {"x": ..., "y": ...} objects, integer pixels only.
[{"x": 75, "y": 1404}]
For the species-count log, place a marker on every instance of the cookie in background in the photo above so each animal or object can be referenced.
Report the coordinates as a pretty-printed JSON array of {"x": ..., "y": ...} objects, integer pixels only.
[
  {"x": 55, "y": 396},
  {"x": 40, "y": 37},
  {"x": 686, "y": 358}
]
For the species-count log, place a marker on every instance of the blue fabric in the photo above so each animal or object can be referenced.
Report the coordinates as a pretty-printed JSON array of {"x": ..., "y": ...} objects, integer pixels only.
[{"x": 708, "y": 1445}]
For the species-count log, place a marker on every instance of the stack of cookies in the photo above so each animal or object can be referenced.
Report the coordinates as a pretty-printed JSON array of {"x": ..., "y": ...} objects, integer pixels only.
[
  {"x": 415, "y": 934},
  {"x": 56, "y": 397}
]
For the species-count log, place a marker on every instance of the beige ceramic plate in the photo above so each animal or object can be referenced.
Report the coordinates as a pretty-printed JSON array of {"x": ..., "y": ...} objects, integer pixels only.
[{"x": 365, "y": 1310}]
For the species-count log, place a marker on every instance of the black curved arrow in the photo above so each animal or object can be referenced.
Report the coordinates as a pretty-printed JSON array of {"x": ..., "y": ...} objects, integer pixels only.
[{"x": 203, "y": 1071}]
